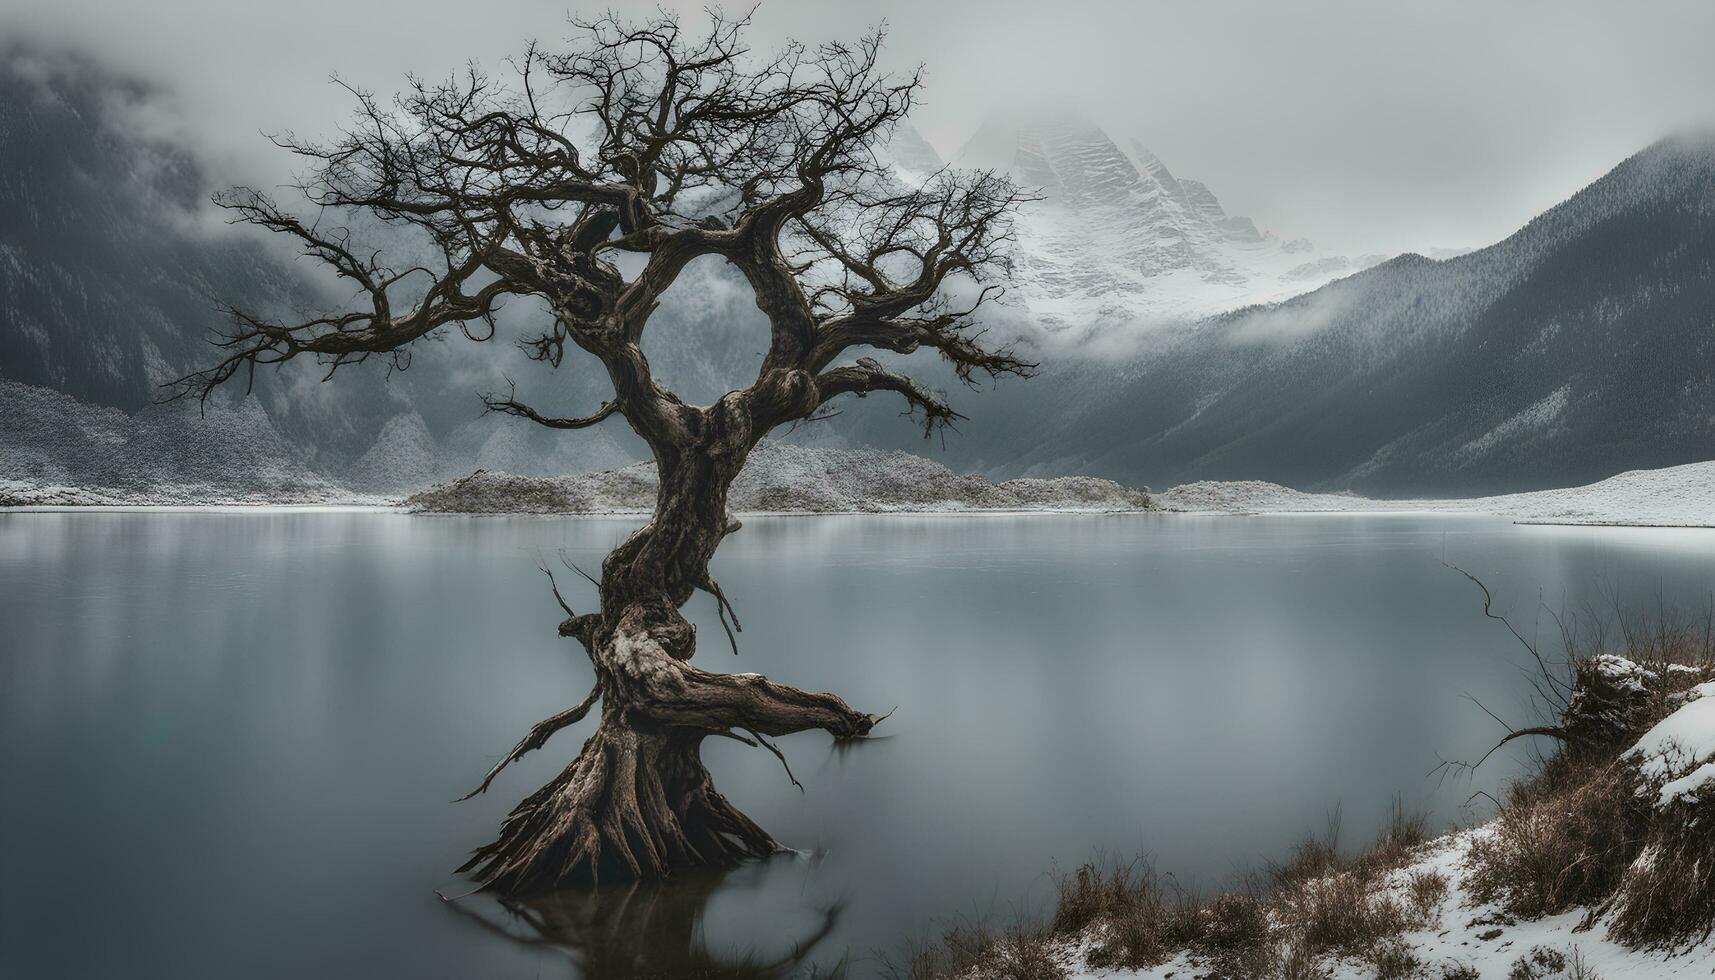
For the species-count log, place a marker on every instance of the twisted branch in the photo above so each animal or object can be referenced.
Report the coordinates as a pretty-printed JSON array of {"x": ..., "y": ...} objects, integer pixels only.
[
  {"x": 868, "y": 375},
  {"x": 511, "y": 406}
]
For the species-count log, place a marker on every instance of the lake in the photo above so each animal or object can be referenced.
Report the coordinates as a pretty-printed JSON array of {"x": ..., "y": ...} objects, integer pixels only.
[{"x": 229, "y": 740}]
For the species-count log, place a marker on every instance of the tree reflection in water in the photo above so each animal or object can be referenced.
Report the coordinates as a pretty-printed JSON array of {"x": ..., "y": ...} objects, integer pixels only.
[{"x": 648, "y": 929}]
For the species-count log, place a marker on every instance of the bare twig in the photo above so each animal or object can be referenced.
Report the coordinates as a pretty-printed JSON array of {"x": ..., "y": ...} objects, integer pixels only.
[
  {"x": 723, "y": 608},
  {"x": 770, "y": 746},
  {"x": 538, "y": 737},
  {"x": 555, "y": 586}
]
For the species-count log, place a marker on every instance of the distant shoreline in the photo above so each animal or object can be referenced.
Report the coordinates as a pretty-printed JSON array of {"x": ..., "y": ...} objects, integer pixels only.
[
  {"x": 795, "y": 481},
  {"x": 400, "y": 509}
]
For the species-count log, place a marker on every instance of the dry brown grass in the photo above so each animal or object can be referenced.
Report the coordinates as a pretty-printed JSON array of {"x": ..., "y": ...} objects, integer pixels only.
[
  {"x": 1319, "y": 901},
  {"x": 1668, "y": 897},
  {"x": 973, "y": 951},
  {"x": 1092, "y": 893},
  {"x": 1137, "y": 918},
  {"x": 1345, "y": 914},
  {"x": 1548, "y": 963},
  {"x": 1294, "y": 961},
  {"x": 1329, "y": 903},
  {"x": 1578, "y": 969},
  {"x": 1394, "y": 960},
  {"x": 1564, "y": 842},
  {"x": 1425, "y": 891}
]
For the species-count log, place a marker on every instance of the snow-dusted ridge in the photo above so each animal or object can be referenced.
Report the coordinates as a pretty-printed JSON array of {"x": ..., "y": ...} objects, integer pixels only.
[
  {"x": 1676, "y": 496},
  {"x": 32, "y": 495},
  {"x": 793, "y": 479},
  {"x": 788, "y": 479},
  {"x": 56, "y": 451}
]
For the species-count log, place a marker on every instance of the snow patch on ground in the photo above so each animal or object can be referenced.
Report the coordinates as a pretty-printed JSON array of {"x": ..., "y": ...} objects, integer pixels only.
[
  {"x": 1623, "y": 673},
  {"x": 788, "y": 479},
  {"x": 1476, "y": 935},
  {"x": 1676, "y": 496},
  {"x": 1677, "y": 756}
]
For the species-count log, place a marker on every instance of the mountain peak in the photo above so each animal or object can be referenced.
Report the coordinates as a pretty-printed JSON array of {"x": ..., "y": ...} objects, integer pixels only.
[
  {"x": 907, "y": 148},
  {"x": 1119, "y": 235},
  {"x": 1689, "y": 149},
  {"x": 1070, "y": 157}
]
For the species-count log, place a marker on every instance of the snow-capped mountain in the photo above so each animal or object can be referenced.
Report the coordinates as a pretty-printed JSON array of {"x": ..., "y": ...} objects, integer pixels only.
[
  {"x": 1581, "y": 346},
  {"x": 1118, "y": 240}
]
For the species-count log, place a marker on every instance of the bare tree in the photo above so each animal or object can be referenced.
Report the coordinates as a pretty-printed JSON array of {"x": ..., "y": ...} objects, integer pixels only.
[{"x": 587, "y": 180}]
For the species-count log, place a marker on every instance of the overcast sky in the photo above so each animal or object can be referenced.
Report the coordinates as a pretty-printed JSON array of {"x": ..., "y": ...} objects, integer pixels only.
[{"x": 1364, "y": 126}]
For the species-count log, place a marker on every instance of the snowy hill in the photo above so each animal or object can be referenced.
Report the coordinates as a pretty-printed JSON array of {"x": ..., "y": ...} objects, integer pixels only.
[{"x": 1676, "y": 496}]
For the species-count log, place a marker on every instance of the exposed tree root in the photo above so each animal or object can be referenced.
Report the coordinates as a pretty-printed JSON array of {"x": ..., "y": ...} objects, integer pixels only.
[
  {"x": 637, "y": 802},
  {"x": 634, "y": 804}
]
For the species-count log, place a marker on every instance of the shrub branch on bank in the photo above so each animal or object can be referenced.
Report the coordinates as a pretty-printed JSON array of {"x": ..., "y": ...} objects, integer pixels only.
[{"x": 1619, "y": 821}]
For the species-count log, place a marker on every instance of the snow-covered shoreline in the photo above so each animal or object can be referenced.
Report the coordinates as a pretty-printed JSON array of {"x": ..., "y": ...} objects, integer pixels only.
[
  {"x": 1461, "y": 932},
  {"x": 1675, "y": 496},
  {"x": 787, "y": 480}
]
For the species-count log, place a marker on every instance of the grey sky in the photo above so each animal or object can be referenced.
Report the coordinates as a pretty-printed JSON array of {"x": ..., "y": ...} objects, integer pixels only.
[{"x": 1365, "y": 126}]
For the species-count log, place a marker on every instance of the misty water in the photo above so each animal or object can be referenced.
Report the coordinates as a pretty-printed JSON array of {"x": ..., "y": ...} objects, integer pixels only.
[{"x": 230, "y": 740}]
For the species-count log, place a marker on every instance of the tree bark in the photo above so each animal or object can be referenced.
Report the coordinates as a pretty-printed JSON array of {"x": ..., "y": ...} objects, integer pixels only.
[{"x": 637, "y": 802}]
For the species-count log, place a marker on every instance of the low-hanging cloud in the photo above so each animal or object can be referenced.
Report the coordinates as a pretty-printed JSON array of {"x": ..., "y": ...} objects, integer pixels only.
[
  {"x": 1289, "y": 322},
  {"x": 1367, "y": 127}
]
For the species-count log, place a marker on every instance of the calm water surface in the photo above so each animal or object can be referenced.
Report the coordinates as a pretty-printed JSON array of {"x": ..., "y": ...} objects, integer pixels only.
[{"x": 228, "y": 741}]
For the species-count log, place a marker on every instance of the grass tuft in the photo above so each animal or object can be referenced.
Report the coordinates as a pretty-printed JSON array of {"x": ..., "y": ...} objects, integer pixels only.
[{"x": 973, "y": 951}]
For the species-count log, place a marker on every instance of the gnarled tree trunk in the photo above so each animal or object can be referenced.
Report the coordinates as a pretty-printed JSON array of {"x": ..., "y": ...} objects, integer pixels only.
[{"x": 637, "y": 802}]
